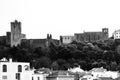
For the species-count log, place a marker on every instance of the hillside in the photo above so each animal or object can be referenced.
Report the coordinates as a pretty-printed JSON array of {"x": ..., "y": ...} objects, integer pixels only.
[{"x": 61, "y": 57}]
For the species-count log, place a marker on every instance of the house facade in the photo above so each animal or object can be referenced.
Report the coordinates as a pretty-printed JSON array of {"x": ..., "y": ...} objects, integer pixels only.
[
  {"x": 10, "y": 70},
  {"x": 61, "y": 75},
  {"x": 116, "y": 34}
]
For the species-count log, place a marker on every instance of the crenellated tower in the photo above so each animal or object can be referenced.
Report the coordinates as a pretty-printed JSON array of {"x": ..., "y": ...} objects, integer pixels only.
[
  {"x": 15, "y": 33},
  {"x": 105, "y": 33}
]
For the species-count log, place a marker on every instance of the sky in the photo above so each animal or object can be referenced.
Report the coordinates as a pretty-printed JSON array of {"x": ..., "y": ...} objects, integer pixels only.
[{"x": 59, "y": 17}]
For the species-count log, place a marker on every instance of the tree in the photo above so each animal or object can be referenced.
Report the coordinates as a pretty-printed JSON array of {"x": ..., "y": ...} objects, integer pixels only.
[
  {"x": 118, "y": 49},
  {"x": 113, "y": 66},
  {"x": 102, "y": 64},
  {"x": 42, "y": 62},
  {"x": 61, "y": 62},
  {"x": 66, "y": 66},
  {"x": 52, "y": 51},
  {"x": 38, "y": 51},
  {"x": 55, "y": 65},
  {"x": 95, "y": 64},
  {"x": 118, "y": 67}
]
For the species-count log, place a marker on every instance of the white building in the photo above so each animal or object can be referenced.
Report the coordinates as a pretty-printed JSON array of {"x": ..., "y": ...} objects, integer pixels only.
[
  {"x": 14, "y": 70},
  {"x": 61, "y": 75},
  {"x": 38, "y": 77},
  {"x": 89, "y": 77},
  {"x": 66, "y": 39},
  {"x": 101, "y": 72},
  {"x": 76, "y": 69},
  {"x": 116, "y": 34},
  {"x": 112, "y": 74},
  {"x": 10, "y": 70}
]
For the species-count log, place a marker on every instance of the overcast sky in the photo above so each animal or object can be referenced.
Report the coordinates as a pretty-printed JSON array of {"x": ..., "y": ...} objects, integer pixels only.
[{"x": 59, "y": 17}]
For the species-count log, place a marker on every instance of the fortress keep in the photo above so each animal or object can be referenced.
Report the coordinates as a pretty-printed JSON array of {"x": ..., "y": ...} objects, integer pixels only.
[{"x": 16, "y": 35}]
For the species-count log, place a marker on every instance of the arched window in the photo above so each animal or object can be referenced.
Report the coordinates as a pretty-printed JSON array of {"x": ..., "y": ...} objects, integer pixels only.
[
  {"x": 19, "y": 68},
  {"x": 38, "y": 78},
  {"x": 4, "y": 68},
  {"x": 32, "y": 78}
]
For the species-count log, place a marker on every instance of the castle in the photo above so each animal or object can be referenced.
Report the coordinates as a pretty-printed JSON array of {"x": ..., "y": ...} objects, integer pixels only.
[
  {"x": 92, "y": 36},
  {"x": 15, "y": 38},
  {"x": 85, "y": 37},
  {"x": 34, "y": 43},
  {"x": 16, "y": 35}
]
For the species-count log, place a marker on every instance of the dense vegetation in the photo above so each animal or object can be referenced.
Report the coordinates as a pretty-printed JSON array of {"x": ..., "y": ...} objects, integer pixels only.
[{"x": 61, "y": 57}]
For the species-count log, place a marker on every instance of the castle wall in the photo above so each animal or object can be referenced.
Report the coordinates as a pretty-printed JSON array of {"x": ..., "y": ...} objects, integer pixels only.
[{"x": 92, "y": 36}]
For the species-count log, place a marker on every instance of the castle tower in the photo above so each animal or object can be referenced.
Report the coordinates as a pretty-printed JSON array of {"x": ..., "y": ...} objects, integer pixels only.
[
  {"x": 105, "y": 32},
  {"x": 15, "y": 33}
]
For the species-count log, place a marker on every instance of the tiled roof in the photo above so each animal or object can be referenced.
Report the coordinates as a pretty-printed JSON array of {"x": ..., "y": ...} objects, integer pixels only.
[
  {"x": 98, "y": 70},
  {"x": 43, "y": 70},
  {"x": 116, "y": 31},
  {"x": 77, "y": 69},
  {"x": 61, "y": 73}
]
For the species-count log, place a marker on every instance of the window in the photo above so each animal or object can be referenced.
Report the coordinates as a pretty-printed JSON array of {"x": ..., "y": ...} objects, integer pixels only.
[
  {"x": 18, "y": 76},
  {"x": 19, "y": 68},
  {"x": 68, "y": 37},
  {"x": 4, "y": 68},
  {"x": 4, "y": 77},
  {"x": 32, "y": 78},
  {"x": 38, "y": 78},
  {"x": 65, "y": 37}
]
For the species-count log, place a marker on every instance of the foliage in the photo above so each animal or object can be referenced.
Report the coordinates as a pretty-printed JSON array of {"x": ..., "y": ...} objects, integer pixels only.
[{"x": 61, "y": 57}]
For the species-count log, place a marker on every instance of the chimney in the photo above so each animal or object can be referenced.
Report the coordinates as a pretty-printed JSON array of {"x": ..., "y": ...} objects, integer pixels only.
[
  {"x": 10, "y": 59},
  {"x": 4, "y": 59}
]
